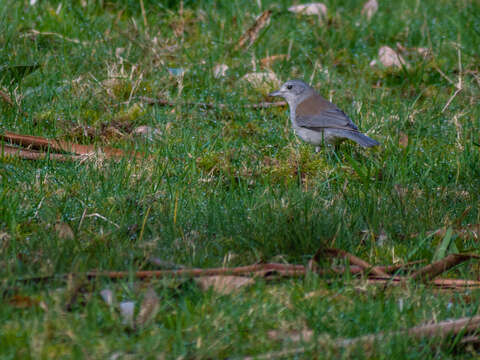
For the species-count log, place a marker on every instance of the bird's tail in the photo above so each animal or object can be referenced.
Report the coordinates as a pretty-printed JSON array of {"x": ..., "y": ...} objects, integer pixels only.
[{"x": 361, "y": 139}]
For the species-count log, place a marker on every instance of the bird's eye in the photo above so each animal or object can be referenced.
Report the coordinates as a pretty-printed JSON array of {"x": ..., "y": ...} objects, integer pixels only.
[{"x": 289, "y": 87}]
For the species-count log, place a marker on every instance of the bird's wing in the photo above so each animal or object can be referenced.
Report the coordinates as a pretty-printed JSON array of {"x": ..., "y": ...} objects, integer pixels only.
[{"x": 316, "y": 112}]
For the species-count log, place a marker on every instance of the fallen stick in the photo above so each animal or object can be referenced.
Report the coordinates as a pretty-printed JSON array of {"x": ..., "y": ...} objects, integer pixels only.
[
  {"x": 35, "y": 32},
  {"x": 352, "y": 260},
  {"x": 251, "y": 35},
  {"x": 6, "y": 98},
  {"x": 285, "y": 270},
  {"x": 432, "y": 270},
  {"x": 441, "y": 330},
  {"x": 456, "y": 283},
  {"x": 445, "y": 284},
  {"x": 163, "y": 102},
  {"x": 38, "y": 142},
  {"x": 11, "y": 151}
]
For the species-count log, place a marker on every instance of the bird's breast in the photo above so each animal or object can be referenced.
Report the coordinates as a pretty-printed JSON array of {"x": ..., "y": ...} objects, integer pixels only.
[{"x": 317, "y": 137}]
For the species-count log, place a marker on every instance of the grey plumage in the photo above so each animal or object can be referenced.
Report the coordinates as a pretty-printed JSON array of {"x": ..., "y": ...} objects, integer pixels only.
[{"x": 316, "y": 120}]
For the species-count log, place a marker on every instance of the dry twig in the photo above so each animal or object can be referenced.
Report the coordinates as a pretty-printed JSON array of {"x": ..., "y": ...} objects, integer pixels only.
[
  {"x": 251, "y": 35},
  {"x": 443, "y": 329},
  {"x": 163, "y": 102}
]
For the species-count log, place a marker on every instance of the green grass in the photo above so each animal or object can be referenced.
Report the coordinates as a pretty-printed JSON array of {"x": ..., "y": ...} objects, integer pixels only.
[{"x": 233, "y": 186}]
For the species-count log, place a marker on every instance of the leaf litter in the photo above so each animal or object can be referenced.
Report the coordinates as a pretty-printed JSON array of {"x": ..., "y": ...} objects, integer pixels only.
[
  {"x": 370, "y": 8},
  {"x": 318, "y": 9},
  {"x": 225, "y": 284}
]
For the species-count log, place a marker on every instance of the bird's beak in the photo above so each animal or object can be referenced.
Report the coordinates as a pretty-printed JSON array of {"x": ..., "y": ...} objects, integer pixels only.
[{"x": 275, "y": 93}]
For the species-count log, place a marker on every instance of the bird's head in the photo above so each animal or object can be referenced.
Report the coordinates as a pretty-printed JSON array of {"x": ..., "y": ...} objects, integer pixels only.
[{"x": 292, "y": 90}]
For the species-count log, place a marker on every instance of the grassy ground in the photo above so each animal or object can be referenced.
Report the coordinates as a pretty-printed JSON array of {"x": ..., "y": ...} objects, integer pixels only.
[{"x": 233, "y": 186}]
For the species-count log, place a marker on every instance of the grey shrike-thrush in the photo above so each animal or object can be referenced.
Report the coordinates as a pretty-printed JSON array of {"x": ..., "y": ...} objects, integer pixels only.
[{"x": 316, "y": 120}]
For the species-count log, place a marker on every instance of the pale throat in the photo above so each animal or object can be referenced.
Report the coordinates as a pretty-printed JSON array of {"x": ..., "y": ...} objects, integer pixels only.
[{"x": 293, "y": 103}]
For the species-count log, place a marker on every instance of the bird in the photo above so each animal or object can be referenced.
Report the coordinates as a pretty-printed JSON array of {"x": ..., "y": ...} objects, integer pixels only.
[{"x": 317, "y": 120}]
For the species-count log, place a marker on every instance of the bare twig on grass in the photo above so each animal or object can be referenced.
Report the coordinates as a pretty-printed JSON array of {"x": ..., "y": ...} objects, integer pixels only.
[
  {"x": 432, "y": 270},
  {"x": 443, "y": 329},
  {"x": 274, "y": 270},
  {"x": 34, "y": 32},
  {"x": 144, "y": 14},
  {"x": 261, "y": 270},
  {"x": 97, "y": 215},
  {"x": 251, "y": 35},
  {"x": 11, "y": 151},
  {"x": 351, "y": 258},
  {"x": 459, "y": 84},
  {"x": 41, "y": 143},
  {"x": 163, "y": 102},
  {"x": 442, "y": 284},
  {"x": 258, "y": 269},
  {"x": 6, "y": 98},
  {"x": 451, "y": 99}
]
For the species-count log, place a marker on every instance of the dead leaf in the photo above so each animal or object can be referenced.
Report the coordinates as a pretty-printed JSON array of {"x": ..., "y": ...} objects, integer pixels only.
[
  {"x": 4, "y": 238},
  {"x": 223, "y": 284},
  {"x": 403, "y": 140},
  {"x": 269, "y": 60},
  {"x": 64, "y": 231},
  {"x": 22, "y": 301},
  {"x": 249, "y": 37},
  {"x": 262, "y": 81},
  {"x": 402, "y": 191},
  {"x": 127, "y": 309},
  {"x": 370, "y": 8},
  {"x": 319, "y": 9},
  {"x": 6, "y": 98},
  {"x": 148, "y": 308},
  {"x": 220, "y": 70},
  {"x": 107, "y": 296},
  {"x": 389, "y": 58},
  {"x": 147, "y": 132},
  {"x": 414, "y": 50},
  {"x": 423, "y": 51},
  {"x": 111, "y": 132},
  {"x": 292, "y": 335}
]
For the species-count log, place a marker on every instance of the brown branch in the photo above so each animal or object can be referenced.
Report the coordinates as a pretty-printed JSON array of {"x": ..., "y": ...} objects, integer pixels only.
[
  {"x": 352, "y": 259},
  {"x": 6, "y": 98},
  {"x": 285, "y": 270},
  {"x": 34, "y": 32},
  {"x": 455, "y": 283},
  {"x": 442, "y": 329},
  {"x": 264, "y": 270},
  {"x": 432, "y": 270},
  {"x": 163, "y": 102},
  {"x": 11, "y": 151},
  {"x": 38, "y": 142},
  {"x": 251, "y": 35},
  {"x": 445, "y": 284}
]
